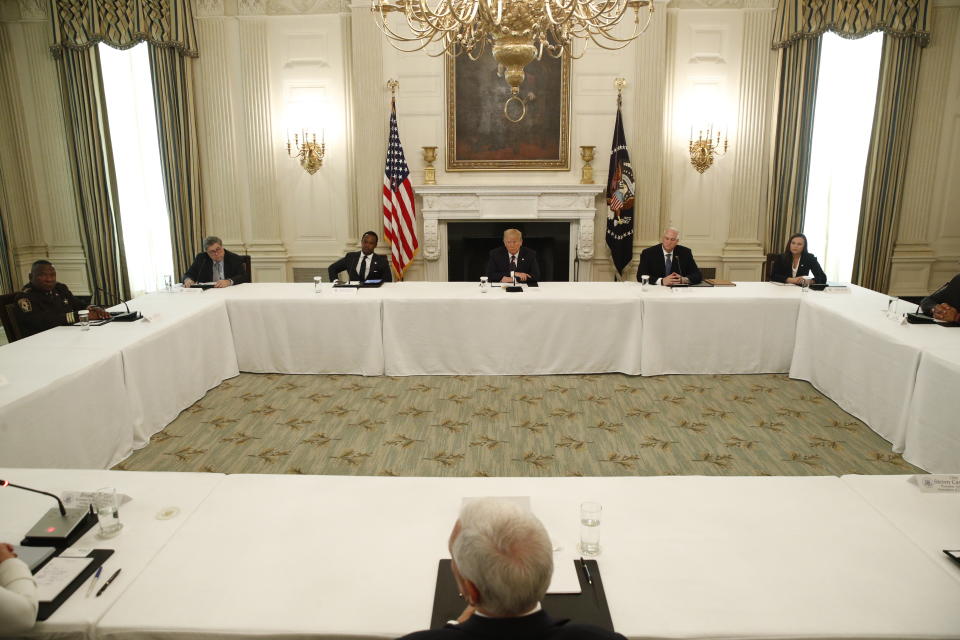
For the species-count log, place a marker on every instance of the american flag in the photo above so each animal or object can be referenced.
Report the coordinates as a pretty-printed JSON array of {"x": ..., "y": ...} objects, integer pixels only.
[{"x": 399, "y": 212}]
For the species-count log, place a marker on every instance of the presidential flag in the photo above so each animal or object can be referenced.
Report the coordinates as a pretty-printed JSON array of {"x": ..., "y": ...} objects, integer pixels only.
[
  {"x": 620, "y": 199},
  {"x": 399, "y": 213}
]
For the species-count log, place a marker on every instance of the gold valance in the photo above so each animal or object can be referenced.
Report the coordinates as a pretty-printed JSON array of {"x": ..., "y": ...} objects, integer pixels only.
[
  {"x": 78, "y": 24},
  {"x": 799, "y": 19}
]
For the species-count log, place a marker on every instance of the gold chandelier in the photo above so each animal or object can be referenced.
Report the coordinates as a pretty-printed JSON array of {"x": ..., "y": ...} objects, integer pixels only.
[{"x": 519, "y": 30}]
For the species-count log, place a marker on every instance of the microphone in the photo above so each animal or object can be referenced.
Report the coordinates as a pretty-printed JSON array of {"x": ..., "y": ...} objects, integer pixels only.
[
  {"x": 120, "y": 316},
  {"x": 59, "y": 527}
]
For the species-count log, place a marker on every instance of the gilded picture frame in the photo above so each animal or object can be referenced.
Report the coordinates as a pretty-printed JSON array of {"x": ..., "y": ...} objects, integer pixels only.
[{"x": 481, "y": 138}]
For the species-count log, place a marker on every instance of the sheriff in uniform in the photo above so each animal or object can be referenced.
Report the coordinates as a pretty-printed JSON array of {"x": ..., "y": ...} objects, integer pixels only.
[{"x": 46, "y": 303}]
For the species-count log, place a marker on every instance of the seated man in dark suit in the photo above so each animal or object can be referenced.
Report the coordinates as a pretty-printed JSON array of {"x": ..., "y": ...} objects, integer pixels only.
[
  {"x": 944, "y": 303},
  {"x": 512, "y": 256},
  {"x": 363, "y": 265},
  {"x": 46, "y": 303},
  {"x": 503, "y": 562},
  {"x": 217, "y": 265},
  {"x": 669, "y": 263}
]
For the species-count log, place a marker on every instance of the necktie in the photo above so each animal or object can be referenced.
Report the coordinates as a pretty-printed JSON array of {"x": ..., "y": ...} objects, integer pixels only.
[
  {"x": 363, "y": 269},
  {"x": 513, "y": 263},
  {"x": 668, "y": 265}
]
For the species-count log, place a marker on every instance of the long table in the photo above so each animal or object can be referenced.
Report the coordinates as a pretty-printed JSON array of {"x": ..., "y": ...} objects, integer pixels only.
[
  {"x": 144, "y": 534},
  {"x": 842, "y": 343},
  {"x": 682, "y": 557}
]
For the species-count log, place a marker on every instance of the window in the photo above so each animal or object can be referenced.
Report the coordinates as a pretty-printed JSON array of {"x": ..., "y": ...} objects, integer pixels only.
[
  {"x": 136, "y": 159},
  {"x": 843, "y": 120}
]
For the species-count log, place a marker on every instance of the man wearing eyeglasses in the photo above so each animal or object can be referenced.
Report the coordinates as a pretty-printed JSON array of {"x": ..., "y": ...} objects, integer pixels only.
[{"x": 215, "y": 264}]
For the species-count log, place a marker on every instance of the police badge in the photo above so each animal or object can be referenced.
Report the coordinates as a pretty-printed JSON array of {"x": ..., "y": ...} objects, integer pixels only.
[{"x": 25, "y": 305}]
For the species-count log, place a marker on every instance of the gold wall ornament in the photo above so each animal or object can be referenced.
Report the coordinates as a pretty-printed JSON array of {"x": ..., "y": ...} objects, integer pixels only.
[
  {"x": 308, "y": 150},
  {"x": 429, "y": 172},
  {"x": 586, "y": 174},
  {"x": 705, "y": 149},
  {"x": 519, "y": 31}
]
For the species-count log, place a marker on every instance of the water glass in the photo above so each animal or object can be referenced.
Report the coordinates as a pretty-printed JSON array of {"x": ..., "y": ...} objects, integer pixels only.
[
  {"x": 318, "y": 284},
  {"x": 108, "y": 512},
  {"x": 168, "y": 283},
  {"x": 590, "y": 528},
  {"x": 891, "y": 308},
  {"x": 484, "y": 285},
  {"x": 83, "y": 319},
  {"x": 644, "y": 281}
]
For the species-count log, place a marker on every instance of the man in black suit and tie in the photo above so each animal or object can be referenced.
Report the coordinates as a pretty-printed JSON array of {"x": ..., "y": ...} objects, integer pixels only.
[
  {"x": 512, "y": 257},
  {"x": 363, "y": 265},
  {"x": 503, "y": 562},
  {"x": 944, "y": 303},
  {"x": 217, "y": 265},
  {"x": 669, "y": 263}
]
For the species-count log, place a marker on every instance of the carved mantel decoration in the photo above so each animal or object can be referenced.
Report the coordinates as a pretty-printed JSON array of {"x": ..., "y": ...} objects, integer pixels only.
[{"x": 441, "y": 204}]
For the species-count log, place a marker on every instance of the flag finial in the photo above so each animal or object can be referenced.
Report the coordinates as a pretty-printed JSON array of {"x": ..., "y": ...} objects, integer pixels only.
[
  {"x": 619, "y": 83},
  {"x": 394, "y": 85}
]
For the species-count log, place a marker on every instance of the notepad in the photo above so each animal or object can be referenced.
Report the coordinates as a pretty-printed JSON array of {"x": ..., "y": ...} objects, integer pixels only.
[{"x": 57, "y": 574}]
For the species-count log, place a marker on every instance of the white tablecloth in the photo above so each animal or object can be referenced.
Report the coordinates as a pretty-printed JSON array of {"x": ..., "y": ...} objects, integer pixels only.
[
  {"x": 930, "y": 520},
  {"x": 452, "y": 328},
  {"x": 933, "y": 421},
  {"x": 143, "y": 534},
  {"x": 288, "y": 328},
  {"x": 748, "y": 328},
  {"x": 683, "y": 557},
  {"x": 95, "y": 416},
  {"x": 863, "y": 361},
  {"x": 62, "y": 407}
]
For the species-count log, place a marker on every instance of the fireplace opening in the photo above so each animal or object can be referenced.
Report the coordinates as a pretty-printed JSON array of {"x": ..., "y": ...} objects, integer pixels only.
[{"x": 469, "y": 244}]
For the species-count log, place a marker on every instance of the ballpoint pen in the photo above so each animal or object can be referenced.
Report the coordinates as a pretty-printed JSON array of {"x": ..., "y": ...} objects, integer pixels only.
[
  {"x": 586, "y": 571},
  {"x": 107, "y": 583},
  {"x": 96, "y": 579}
]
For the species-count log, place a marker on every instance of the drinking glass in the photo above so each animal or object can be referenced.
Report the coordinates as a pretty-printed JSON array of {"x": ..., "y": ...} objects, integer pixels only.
[
  {"x": 108, "y": 512},
  {"x": 484, "y": 285},
  {"x": 644, "y": 281},
  {"x": 168, "y": 282},
  {"x": 590, "y": 528},
  {"x": 317, "y": 284},
  {"x": 892, "y": 308},
  {"x": 83, "y": 319}
]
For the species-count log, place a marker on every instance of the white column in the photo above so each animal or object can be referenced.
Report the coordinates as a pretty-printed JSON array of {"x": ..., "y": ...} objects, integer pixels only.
[
  {"x": 743, "y": 254},
  {"x": 647, "y": 156},
  {"x": 269, "y": 254},
  {"x": 369, "y": 110},
  {"x": 223, "y": 208}
]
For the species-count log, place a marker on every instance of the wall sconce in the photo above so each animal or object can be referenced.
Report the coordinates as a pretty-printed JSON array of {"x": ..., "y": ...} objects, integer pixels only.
[
  {"x": 704, "y": 149},
  {"x": 308, "y": 151}
]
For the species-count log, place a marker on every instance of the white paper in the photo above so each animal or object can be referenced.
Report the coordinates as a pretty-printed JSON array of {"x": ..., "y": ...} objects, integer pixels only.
[
  {"x": 85, "y": 498},
  {"x": 57, "y": 574},
  {"x": 565, "y": 568}
]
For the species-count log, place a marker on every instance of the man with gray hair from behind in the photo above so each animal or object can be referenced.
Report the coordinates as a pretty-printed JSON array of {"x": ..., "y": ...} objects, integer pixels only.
[{"x": 503, "y": 562}]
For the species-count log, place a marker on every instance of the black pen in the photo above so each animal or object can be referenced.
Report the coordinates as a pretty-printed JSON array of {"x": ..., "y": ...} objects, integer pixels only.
[
  {"x": 583, "y": 563},
  {"x": 107, "y": 584}
]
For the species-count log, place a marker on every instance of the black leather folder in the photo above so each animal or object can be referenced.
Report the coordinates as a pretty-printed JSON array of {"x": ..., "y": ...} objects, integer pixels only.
[{"x": 587, "y": 607}]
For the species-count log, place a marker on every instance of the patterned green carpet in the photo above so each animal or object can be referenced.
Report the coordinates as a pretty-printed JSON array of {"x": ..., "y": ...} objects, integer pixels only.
[{"x": 595, "y": 425}]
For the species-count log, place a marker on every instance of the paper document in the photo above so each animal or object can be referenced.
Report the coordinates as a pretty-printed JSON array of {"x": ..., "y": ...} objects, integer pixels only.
[
  {"x": 57, "y": 574},
  {"x": 565, "y": 579}
]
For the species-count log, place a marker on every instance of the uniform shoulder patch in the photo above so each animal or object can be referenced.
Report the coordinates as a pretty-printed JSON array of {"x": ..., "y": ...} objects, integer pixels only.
[{"x": 25, "y": 305}]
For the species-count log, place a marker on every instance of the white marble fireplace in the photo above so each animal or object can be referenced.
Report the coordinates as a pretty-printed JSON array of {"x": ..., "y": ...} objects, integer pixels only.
[{"x": 441, "y": 204}]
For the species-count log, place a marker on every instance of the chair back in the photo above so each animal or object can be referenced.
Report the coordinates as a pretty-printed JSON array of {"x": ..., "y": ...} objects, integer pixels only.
[
  {"x": 245, "y": 261},
  {"x": 768, "y": 267},
  {"x": 8, "y": 317}
]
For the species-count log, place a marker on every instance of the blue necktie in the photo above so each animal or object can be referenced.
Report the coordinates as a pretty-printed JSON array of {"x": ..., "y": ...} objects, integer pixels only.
[{"x": 668, "y": 265}]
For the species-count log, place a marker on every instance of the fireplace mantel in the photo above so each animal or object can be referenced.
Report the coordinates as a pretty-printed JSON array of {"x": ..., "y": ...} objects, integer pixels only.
[{"x": 440, "y": 204}]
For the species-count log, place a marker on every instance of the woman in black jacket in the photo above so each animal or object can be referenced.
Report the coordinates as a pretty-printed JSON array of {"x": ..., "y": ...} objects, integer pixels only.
[{"x": 796, "y": 262}]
